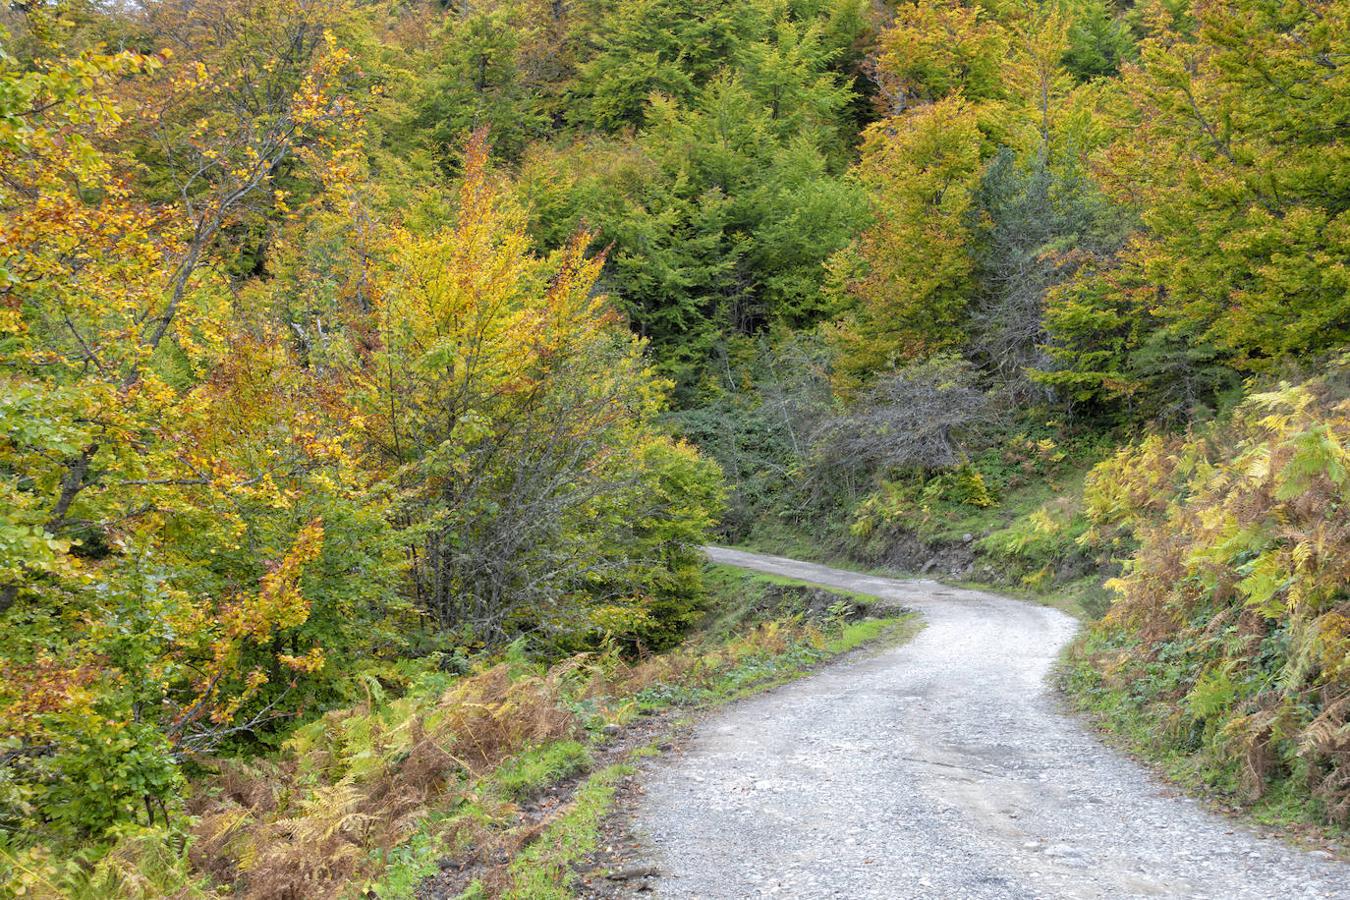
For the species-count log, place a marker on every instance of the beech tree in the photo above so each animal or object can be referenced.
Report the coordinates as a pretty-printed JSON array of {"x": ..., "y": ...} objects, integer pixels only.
[
  {"x": 1225, "y": 145},
  {"x": 170, "y": 469},
  {"x": 515, "y": 417},
  {"x": 909, "y": 278}
]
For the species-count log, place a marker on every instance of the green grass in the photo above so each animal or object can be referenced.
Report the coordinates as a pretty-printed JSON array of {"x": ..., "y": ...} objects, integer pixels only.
[
  {"x": 536, "y": 769},
  {"x": 780, "y": 538},
  {"x": 891, "y": 630},
  {"x": 729, "y": 573},
  {"x": 761, "y": 674},
  {"x": 544, "y": 870},
  {"x": 1025, "y": 560},
  {"x": 737, "y": 590},
  {"x": 410, "y": 863},
  {"x": 1083, "y": 597}
]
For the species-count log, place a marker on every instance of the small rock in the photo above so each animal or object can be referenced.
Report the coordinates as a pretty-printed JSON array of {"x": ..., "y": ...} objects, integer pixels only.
[
  {"x": 632, "y": 873},
  {"x": 1321, "y": 854},
  {"x": 611, "y": 730},
  {"x": 967, "y": 538}
]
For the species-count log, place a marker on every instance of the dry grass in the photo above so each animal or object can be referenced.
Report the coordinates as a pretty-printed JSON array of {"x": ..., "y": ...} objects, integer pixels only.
[
  {"x": 694, "y": 667},
  {"x": 1326, "y": 741}
]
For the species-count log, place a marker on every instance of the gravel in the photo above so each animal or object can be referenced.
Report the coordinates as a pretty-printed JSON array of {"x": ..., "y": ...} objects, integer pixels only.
[{"x": 942, "y": 768}]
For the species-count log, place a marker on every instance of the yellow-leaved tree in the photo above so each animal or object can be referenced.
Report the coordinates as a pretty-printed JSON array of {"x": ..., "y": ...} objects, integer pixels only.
[
  {"x": 171, "y": 479},
  {"x": 516, "y": 419}
]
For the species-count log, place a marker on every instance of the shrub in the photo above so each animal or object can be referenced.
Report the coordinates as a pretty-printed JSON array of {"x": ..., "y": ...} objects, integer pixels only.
[
  {"x": 913, "y": 419},
  {"x": 1231, "y": 624}
]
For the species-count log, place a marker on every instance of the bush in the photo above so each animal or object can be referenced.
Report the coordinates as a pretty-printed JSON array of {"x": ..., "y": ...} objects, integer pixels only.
[
  {"x": 1230, "y": 631},
  {"x": 912, "y": 420}
]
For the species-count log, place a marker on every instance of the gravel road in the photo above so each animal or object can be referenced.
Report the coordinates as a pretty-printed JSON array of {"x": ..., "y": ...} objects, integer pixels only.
[{"x": 942, "y": 768}]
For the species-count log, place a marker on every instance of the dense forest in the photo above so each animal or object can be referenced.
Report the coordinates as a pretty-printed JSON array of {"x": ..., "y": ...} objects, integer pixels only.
[{"x": 349, "y": 348}]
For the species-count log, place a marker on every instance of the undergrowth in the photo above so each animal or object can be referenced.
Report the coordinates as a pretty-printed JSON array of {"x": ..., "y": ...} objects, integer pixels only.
[
  {"x": 369, "y": 800},
  {"x": 1228, "y": 642},
  {"x": 1010, "y": 518}
]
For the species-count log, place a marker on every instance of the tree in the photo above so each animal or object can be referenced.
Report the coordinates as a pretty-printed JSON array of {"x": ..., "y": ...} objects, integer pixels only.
[
  {"x": 936, "y": 48},
  {"x": 515, "y": 420},
  {"x": 911, "y": 419},
  {"x": 1040, "y": 216},
  {"x": 171, "y": 469},
  {"x": 800, "y": 214},
  {"x": 670, "y": 47},
  {"x": 94, "y": 314},
  {"x": 479, "y": 84},
  {"x": 718, "y": 220},
  {"x": 1225, "y": 145},
  {"x": 757, "y": 421},
  {"x": 789, "y": 74},
  {"x": 1038, "y": 226},
  {"x": 1100, "y": 41},
  {"x": 912, "y": 281}
]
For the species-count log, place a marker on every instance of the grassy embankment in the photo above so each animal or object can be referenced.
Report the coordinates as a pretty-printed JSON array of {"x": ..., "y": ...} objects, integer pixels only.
[
  {"x": 503, "y": 773},
  {"x": 1018, "y": 532}
]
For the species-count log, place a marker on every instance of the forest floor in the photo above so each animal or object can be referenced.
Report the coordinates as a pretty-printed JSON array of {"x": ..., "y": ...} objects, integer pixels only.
[{"x": 946, "y": 767}]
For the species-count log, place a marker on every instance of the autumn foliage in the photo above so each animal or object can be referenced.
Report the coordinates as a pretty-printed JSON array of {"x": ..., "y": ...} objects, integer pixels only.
[
  {"x": 1232, "y": 621},
  {"x": 236, "y": 468},
  {"x": 344, "y": 344}
]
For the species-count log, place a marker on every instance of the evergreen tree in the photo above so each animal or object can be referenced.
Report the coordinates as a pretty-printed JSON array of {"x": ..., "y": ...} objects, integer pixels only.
[{"x": 478, "y": 84}]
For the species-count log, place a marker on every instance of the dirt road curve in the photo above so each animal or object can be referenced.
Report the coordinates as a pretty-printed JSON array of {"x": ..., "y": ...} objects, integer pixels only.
[{"x": 943, "y": 769}]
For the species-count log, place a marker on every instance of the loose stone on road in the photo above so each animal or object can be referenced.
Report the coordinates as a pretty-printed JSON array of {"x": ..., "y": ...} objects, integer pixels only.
[{"x": 941, "y": 768}]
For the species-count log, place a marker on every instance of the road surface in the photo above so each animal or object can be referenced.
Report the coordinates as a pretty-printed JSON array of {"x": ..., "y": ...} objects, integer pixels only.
[{"x": 942, "y": 768}]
